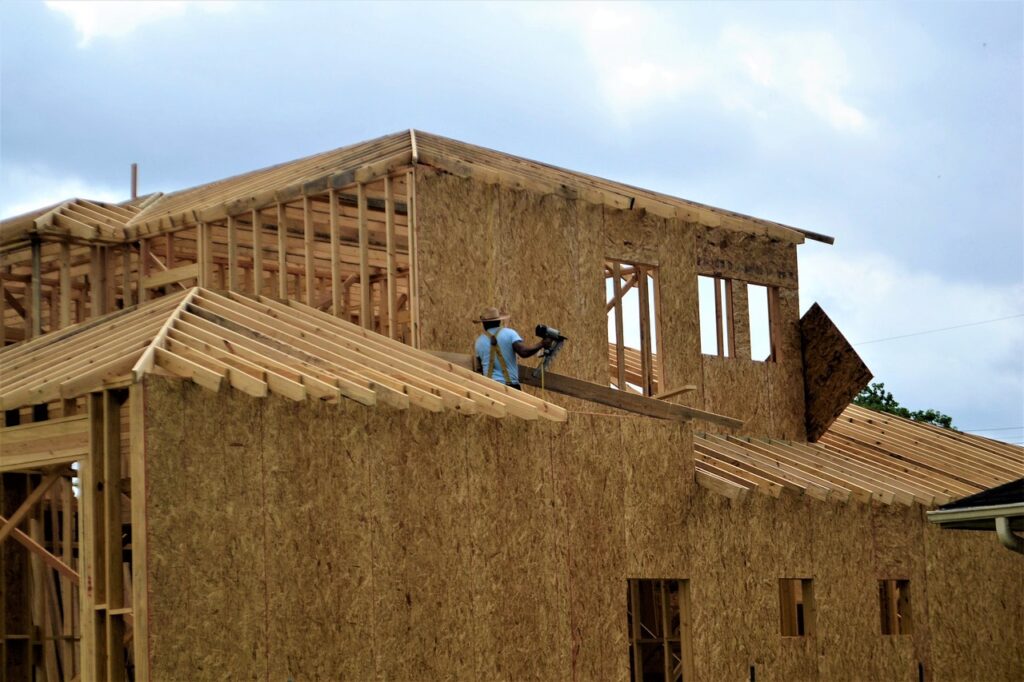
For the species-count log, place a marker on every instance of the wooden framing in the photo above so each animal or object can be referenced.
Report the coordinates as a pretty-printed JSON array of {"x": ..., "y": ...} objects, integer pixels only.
[
  {"x": 660, "y": 630},
  {"x": 643, "y": 376}
]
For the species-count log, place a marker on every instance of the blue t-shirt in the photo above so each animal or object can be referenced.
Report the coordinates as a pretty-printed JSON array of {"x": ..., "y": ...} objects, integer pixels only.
[{"x": 506, "y": 337}]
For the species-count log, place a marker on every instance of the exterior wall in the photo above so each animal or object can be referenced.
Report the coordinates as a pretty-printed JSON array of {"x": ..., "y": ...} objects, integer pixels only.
[
  {"x": 304, "y": 541},
  {"x": 542, "y": 257}
]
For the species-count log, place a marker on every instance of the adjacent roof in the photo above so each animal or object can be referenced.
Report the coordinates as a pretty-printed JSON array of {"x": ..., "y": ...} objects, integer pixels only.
[
  {"x": 258, "y": 346},
  {"x": 863, "y": 456},
  {"x": 344, "y": 166}
]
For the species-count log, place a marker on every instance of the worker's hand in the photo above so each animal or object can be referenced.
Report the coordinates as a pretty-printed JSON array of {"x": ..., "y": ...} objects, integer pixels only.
[{"x": 547, "y": 342}]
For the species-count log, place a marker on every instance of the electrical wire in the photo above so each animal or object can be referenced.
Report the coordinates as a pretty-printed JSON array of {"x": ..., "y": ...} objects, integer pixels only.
[{"x": 941, "y": 329}]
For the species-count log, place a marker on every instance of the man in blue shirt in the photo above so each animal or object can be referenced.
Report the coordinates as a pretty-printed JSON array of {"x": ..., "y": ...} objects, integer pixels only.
[{"x": 497, "y": 347}]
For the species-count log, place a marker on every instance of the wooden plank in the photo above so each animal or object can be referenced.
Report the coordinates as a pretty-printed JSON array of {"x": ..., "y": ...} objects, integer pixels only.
[
  {"x": 113, "y": 552},
  {"x": 392, "y": 269},
  {"x": 282, "y": 253},
  {"x": 719, "y": 332},
  {"x": 187, "y": 369},
  {"x": 47, "y": 558},
  {"x": 65, "y": 285},
  {"x": 171, "y": 276},
  {"x": 686, "y": 388},
  {"x": 722, "y": 486},
  {"x": 646, "y": 371},
  {"x": 620, "y": 399},
  {"x": 336, "y": 291},
  {"x": 310, "y": 242},
  {"x": 257, "y": 252},
  {"x": 365, "y": 303},
  {"x": 27, "y": 504},
  {"x": 232, "y": 264},
  {"x": 35, "y": 289},
  {"x": 620, "y": 338},
  {"x": 414, "y": 271}
]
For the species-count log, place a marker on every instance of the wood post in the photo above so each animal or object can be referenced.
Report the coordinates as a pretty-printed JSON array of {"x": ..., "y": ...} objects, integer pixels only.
[
  {"x": 365, "y": 301},
  {"x": 232, "y": 254},
  {"x": 257, "y": 252},
  {"x": 392, "y": 265},
  {"x": 35, "y": 292},
  {"x": 65, "y": 284},
  {"x": 620, "y": 341},
  {"x": 282, "y": 253},
  {"x": 309, "y": 243}
]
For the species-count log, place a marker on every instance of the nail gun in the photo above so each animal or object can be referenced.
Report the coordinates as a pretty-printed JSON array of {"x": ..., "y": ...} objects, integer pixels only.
[{"x": 546, "y": 332}]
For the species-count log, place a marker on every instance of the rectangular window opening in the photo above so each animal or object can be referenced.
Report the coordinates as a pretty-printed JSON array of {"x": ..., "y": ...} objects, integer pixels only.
[
  {"x": 796, "y": 607},
  {"x": 632, "y": 293},
  {"x": 894, "y": 607},
  {"x": 761, "y": 342},
  {"x": 714, "y": 298},
  {"x": 660, "y": 630}
]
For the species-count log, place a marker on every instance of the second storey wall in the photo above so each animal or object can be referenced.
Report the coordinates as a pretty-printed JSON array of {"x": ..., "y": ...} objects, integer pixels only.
[{"x": 541, "y": 257}]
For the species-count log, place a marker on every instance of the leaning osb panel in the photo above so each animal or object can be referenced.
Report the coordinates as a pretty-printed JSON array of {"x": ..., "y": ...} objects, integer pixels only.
[{"x": 833, "y": 372}]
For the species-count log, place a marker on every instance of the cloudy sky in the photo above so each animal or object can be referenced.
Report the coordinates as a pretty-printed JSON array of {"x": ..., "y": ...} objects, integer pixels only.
[{"x": 897, "y": 128}]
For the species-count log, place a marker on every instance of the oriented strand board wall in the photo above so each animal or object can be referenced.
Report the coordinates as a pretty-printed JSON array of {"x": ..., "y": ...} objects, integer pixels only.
[{"x": 336, "y": 541}]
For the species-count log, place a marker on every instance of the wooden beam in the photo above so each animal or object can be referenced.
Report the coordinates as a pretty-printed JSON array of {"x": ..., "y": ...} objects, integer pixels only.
[
  {"x": 35, "y": 290},
  {"x": 629, "y": 402},
  {"x": 65, "y": 284},
  {"x": 139, "y": 501},
  {"x": 365, "y": 302},
  {"x": 26, "y": 506},
  {"x": 336, "y": 307},
  {"x": 257, "y": 252},
  {"x": 414, "y": 273},
  {"x": 310, "y": 243},
  {"x": 620, "y": 339},
  {"x": 675, "y": 391},
  {"x": 282, "y": 253},
  {"x": 392, "y": 274},
  {"x": 232, "y": 253},
  {"x": 646, "y": 370},
  {"x": 49, "y": 559}
]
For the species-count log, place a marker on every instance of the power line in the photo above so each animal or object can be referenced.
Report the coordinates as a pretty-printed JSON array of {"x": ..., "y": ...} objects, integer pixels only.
[
  {"x": 940, "y": 329},
  {"x": 1000, "y": 428}
]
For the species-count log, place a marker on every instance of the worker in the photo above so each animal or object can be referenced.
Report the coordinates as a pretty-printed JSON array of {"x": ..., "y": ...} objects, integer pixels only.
[{"x": 497, "y": 347}]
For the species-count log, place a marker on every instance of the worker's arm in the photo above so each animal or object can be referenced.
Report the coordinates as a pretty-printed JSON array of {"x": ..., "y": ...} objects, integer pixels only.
[{"x": 524, "y": 351}]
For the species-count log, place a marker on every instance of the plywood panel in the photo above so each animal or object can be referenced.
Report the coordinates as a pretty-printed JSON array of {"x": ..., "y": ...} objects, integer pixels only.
[
  {"x": 833, "y": 372},
  {"x": 748, "y": 257}
]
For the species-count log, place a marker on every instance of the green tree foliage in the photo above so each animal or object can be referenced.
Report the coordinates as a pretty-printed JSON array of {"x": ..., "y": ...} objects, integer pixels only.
[{"x": 875, "y": 397}]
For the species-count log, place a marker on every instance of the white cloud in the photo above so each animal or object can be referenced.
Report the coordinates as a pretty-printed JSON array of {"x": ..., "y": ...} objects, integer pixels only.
[
  {"x": 975, "y": 374},
  {"x": 646, "y": 56},
  {"x": 105, "y": 19},
  {"x": 26, "y": 188}
]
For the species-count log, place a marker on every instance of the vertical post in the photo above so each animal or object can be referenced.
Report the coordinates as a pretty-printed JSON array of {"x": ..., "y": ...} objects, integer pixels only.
[
  {"x": 666, "y": 630},
  {"x": 232, "y": 254},
  {"x": 3, "y": 311},
  {"x": 257, "y": 252},
  {"x": 686, "y": 629},
  {"x": 135, "y": 181},
  {"x": 113, "y": 552},
  {"x": 414, "y": 275},
  {"x": 282, "y": 253},
  {"x": 67, "y": 615},
  {"x": 140, "y": 569},
  {"x": 392, "y": 257},
  {"x": 96, "y": 290},
  {"x": 332, "y": 197},
  {"x": 365, "y": 302},
  {"x": 35, "y": 289},
  {"x": 144, "y": 258},
  {"x": 204, "y": 254},
  {"x": 635, "y": 611},
  {"x": 730, "y": 319},
  {"x": 170, "y": 259},
  {"x": 718, "y": 317},
  {"x": 65, "y": 284},
  {"x": 310, "y": 242},
  {"x": 774, "y": 324},
  {"x": 90, "y": 519},
  {"x": 126, "y": 275},
  {"x": 620, "y": 343},
  {"x": 657, "y": 370},
  {"x": 645, "y": 330}
]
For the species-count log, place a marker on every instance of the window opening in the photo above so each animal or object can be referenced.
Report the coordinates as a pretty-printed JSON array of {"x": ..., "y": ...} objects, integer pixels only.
[
  {"x": 659, "y": 630},
  {"x": 633, "y": 314},
  {"x": 894, "y": 603},
  {"x": 796, "y": 606},
  {"x": 714, "y": 296},
  {"x": 760, "y": 323}
]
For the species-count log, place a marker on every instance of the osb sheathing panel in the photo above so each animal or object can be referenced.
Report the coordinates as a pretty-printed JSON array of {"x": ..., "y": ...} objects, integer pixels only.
[
  {"x": 988, "y": 596},
  {"x": 340, "y": 541},
  {"x": 833, "y": 372},
  {"x": 748, "y": 257},
  {"x": 738, "y": 388}
]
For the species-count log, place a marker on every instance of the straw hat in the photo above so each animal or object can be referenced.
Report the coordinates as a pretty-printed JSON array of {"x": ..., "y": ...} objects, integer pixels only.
[{"x": 491, "y": 315}]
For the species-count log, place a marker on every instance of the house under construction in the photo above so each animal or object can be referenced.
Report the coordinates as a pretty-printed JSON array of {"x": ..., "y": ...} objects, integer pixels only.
[{"x": 241, "y": 442}]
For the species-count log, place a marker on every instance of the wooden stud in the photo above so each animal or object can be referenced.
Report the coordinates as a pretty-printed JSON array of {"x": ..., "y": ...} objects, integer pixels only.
[
  {"x": 646, "y": 370},
  {"x": 232, "y": 264},
  {"x": 620, "y": 339},
  {"x": 729, "y": 319},
  {"x": 140, "y": 568},
  {"x": 257, "y": 252},
  {"x": 336, "y": 305},
  {"x": 144, "y": 258},
  {"x": 282, "y": 253},
  {"x": 365, "y": 301},
  {"x": 719, "y": 339},
  {"x": 392, "y": 274},
  {"x": 35, "y": 292},
  {"x": 414, "y": 273},
  {"x": 310, "y": 243},
  {"x": 113, "y": 552},
  {"x": 127, "y": 297},
  {"x": 90, "y": 516},
  {"x": 65, "y": 284}
]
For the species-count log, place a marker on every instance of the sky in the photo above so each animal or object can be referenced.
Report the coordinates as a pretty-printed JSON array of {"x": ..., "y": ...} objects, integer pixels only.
[{"x": 896, "y": 128}]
